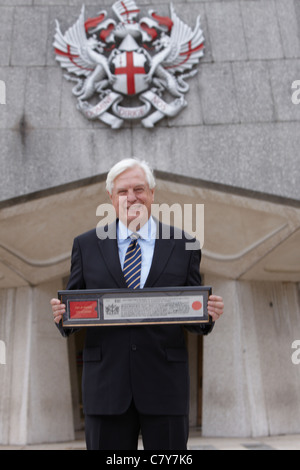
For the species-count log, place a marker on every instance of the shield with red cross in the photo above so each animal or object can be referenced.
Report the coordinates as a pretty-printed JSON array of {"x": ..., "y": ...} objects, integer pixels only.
[{"x": 130, "y": 70}]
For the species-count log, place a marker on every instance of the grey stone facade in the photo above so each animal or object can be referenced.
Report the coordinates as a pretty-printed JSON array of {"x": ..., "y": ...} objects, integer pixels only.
[{"x": 239, "y": 113}]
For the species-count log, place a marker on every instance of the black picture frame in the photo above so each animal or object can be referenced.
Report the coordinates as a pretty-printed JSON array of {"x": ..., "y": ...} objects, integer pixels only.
[{"x": 149, "y": 306}]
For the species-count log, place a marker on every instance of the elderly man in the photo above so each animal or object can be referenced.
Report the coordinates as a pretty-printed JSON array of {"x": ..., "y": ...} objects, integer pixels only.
[{"x": 135, "y": 378}]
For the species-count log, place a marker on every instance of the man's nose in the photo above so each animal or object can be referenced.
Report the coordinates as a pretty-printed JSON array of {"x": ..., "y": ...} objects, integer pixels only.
[{"x": 131, "y": 197}]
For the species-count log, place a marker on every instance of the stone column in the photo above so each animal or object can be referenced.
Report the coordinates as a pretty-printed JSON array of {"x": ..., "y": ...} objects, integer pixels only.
[
  {"x": 35, "y": 393},
  {"x": 251, "y": 386}
]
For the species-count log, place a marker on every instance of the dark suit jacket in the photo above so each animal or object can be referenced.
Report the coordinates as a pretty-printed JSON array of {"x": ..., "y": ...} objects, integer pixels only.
[{"x": 146, "y": 363}]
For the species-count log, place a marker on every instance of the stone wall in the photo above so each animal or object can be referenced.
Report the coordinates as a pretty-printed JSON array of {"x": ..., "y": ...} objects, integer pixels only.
[
  {"x": 240, "y": 127},
  {"x": 35, "y": 392},
  {"x": 250, "y": 382}
]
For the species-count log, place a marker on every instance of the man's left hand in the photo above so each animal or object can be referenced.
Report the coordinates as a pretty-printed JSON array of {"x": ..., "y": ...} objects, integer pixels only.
[{"x": 215, "y": 306}]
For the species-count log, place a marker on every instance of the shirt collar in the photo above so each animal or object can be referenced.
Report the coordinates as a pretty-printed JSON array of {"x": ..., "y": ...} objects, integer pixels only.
[{"x": 147, "y": 231}]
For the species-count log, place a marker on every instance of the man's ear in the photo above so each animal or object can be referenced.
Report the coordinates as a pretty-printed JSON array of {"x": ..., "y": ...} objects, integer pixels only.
[{"x": 153, "y": 190}]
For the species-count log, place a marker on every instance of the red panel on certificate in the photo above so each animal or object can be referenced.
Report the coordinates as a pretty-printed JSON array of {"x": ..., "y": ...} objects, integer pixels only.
[{"x": 83, "y": 309}]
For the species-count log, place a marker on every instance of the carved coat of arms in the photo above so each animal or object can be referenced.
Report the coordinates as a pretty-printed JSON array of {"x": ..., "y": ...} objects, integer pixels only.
[{"x": 131, "y": 69}]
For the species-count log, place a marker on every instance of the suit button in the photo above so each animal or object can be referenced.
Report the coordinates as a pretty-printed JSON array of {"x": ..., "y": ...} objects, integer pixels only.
[{"x": 133, "y": 347}]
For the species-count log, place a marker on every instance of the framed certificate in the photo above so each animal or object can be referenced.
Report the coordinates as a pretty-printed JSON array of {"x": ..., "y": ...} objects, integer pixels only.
[{"x": 149, "y": 306}]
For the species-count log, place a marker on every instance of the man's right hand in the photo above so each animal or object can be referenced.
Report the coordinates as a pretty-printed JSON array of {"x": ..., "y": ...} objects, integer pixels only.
[{"x": 58, "y": 310}]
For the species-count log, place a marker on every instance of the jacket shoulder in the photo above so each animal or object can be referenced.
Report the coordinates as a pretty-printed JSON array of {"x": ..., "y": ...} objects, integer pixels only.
[
  {"x": 179, "y": 235},
  {"x": 97, "y": 234},
  {"x": 87, "y": 236}
]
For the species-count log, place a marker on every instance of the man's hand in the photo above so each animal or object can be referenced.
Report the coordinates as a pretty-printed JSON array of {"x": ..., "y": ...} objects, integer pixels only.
[
  {"x": 58, "y": 309},
  {"x": 215, "y": 306}
]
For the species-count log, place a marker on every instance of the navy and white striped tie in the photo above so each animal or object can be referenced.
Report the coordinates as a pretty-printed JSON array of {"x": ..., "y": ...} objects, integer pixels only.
[{"x": 132, "y": 264}]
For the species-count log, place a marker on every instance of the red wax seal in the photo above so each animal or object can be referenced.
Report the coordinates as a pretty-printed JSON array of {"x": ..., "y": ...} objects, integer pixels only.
[{"x": 196, "y": 305}]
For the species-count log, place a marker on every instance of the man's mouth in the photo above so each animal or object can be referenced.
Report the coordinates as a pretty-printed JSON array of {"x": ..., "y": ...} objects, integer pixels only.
[{"x": 135, "y": 208}]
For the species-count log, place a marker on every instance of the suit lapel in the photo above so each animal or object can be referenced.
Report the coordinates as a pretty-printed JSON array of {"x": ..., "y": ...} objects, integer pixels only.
[
  {"x": 162, "y": 252},
  {"x": 110, "y": 253}
]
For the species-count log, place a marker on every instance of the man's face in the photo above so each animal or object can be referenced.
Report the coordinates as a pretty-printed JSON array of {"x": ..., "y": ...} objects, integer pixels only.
[{"x": 132, "y": 198}]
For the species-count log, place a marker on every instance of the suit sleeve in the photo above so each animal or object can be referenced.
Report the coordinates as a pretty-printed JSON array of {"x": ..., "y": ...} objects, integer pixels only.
[
  {"x": 76, "y": 281},
  {"x": 194, "y": 279},
  {"x": 194, "y": 276}
]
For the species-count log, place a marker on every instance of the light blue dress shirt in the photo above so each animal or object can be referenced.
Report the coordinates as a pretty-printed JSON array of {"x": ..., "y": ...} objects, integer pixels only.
[{"x": 147, "y": 237}]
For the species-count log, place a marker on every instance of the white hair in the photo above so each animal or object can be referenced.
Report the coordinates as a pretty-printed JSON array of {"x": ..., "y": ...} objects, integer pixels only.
[{"x": 124, "y": 165}]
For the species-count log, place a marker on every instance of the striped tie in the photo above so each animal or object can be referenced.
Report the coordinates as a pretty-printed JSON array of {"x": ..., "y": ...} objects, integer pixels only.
[{"x": 132, "y": 264}]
